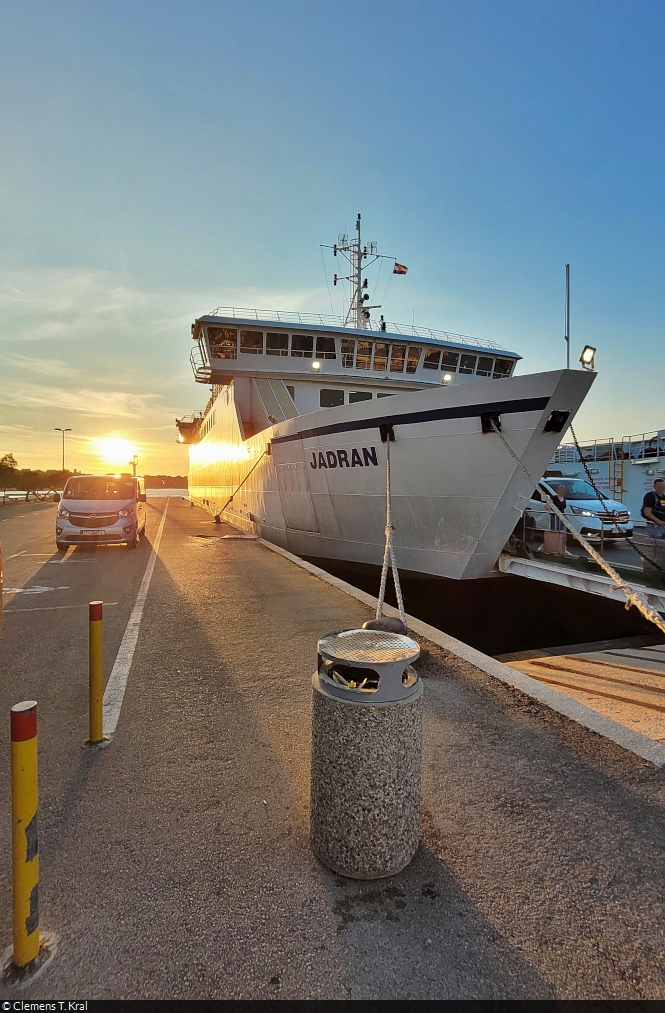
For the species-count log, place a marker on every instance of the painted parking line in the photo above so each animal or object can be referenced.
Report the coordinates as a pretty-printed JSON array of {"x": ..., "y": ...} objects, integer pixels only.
[{"x": 117, "y": 684}]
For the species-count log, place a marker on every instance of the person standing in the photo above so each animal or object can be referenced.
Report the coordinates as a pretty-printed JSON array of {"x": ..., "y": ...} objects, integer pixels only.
[
  {"x": 653, "y": 510},
  {"x": 560, "y": 502}
]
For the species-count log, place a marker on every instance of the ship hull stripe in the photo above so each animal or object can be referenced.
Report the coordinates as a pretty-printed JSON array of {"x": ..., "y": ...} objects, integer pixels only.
[{"x": 529, "y": 404}]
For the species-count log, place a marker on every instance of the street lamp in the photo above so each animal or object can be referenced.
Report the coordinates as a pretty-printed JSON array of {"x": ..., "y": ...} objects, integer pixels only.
[
  {"x": 134, "y": 461},
  {"x": 587, "y": 357},
  {"x": 57, "y": 429}
]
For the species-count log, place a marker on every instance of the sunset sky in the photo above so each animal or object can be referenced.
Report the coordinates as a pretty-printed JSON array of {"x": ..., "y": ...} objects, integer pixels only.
[{"x": 158, "y": 159}]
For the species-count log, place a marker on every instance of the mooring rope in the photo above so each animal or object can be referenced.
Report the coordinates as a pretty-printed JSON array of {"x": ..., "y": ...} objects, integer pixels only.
[
  {"x": 633, "y": 597},
  {"x": 389, "y": 552}
]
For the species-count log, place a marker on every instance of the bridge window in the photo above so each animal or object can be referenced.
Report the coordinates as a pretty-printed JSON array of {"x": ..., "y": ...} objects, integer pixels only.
[
  {"x": 502, "y": 367},
  {"x": 302, "y": 346},
  {"x": 380, "y": 356},
  {"x": 397, "y": 358},
  {"x": 331, "y": 398},
  {"x": 413, "y": 359},
  {"x": 291, "y": 390},
  {"x": 484, "y": 366},
  {"x": 467, "y": 363},
  {"x": 325, "y": 348},
  {"x": 364, "y": 356},
  {"x": 348, "y": 352},
  {"x": 449, "y": 360},
  {"x": 387, "y": 393},
  {"x": 251, "y": 342},
  {"x": 359, "y": 395},
  {"x": 223, "y": 342},
  {"x": 432, "y": 358},
  {"x": 277, "y": 344}
]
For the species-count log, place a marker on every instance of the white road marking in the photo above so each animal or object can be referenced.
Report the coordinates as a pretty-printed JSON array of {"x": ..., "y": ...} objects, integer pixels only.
[
  {"x": 117, "y": 684},
  {"x": 54, "y": 608}
]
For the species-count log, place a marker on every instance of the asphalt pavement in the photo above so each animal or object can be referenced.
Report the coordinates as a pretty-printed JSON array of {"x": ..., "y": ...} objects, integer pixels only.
[{"x": 176, "y": 863}]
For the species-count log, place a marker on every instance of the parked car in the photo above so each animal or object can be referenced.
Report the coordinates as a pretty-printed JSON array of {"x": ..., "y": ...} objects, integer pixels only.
[
  {"x": 592, "y": 517},
  {"x": 101, "y": 510}
]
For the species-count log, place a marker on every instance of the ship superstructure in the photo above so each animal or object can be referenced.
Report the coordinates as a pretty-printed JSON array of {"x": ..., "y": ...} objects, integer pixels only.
[{"x": 290, "y": 442}]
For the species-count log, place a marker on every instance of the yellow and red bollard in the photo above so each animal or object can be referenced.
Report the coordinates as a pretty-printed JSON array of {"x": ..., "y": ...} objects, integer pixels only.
[
  {"x": 96, "y": 669},
  {"x": 25, "y": 850}
]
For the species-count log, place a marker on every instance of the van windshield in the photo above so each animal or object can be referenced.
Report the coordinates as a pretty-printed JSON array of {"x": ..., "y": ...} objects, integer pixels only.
[
  {"x": 100, "y": 487},
  {"x": 575, "y": 488}
]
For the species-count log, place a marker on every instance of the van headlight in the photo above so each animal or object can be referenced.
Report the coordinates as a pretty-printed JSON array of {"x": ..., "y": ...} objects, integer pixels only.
[
  {"x": 125, "y": 512},
  {"x": 63, "y": 512},
  {"x": 582, "y": 513}
]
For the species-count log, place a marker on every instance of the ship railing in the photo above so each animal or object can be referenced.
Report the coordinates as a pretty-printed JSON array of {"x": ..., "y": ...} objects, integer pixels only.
[
  {"x": 200, "y": 368},
  {"x": 638, "y": 447},
  {"x": 331, "y": 320}
]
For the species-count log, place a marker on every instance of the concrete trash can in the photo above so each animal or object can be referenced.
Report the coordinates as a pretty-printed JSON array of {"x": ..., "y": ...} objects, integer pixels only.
[{"x": 366, "y": 753}]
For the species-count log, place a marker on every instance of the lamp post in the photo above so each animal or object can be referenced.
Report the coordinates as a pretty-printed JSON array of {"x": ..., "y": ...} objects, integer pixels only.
[
  {"x": 134, "y": 461},
  {"x": 57, "y": 429}
]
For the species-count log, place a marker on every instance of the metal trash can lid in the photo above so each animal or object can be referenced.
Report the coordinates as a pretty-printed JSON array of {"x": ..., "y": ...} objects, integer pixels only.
[{"x": 369, "y": 647}]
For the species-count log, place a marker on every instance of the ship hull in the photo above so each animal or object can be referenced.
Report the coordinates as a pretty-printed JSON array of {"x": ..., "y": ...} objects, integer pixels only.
[{"x": 316, "y": 484}]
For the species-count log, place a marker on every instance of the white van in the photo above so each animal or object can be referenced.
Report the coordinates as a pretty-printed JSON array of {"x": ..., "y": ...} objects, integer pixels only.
[
  {"x": 101, "y": 510},
  {"x": 593, "y": 518}
]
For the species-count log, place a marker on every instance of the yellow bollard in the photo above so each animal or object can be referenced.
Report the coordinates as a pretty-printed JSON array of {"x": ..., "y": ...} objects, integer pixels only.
[
  {"x": 25, "y": 854},
  {"x": 96, "y": 671}
]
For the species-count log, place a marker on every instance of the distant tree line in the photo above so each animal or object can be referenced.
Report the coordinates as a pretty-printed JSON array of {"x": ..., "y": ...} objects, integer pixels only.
[
  {"x": 27, "y": 479},
  {"x": 165, "y": 481}
]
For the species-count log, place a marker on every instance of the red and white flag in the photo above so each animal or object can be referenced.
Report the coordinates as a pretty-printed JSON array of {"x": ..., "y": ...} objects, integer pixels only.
[{"x": 399, "y": 268}]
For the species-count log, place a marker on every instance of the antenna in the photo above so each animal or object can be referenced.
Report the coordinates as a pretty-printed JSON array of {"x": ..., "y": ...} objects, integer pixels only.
[{"x": 567, "y": 334}]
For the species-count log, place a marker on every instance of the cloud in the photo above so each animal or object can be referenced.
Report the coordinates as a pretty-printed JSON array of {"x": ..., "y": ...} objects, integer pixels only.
[
  {"x": 44, "y": 367},
  {"x": 97, "y": 403}
]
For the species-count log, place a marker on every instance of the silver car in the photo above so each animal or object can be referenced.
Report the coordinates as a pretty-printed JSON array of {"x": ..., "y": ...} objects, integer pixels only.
[
  {"x": 101, "y": 510},
  {"x": 594, "y": 518}
]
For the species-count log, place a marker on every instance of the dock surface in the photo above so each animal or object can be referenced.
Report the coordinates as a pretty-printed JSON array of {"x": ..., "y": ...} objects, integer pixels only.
[{"x": 175, "y": 863}]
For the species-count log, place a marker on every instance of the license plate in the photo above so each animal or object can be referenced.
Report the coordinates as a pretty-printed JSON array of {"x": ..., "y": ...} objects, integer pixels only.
[{"x": 92, "y": 534}]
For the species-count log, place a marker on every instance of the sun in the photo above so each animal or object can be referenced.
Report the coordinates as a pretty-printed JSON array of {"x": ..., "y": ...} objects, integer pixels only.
[{"x": 115, "y": 450}]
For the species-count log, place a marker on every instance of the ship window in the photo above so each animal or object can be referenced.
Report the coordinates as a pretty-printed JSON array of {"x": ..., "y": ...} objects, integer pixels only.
[
  {"x": 277, "y": 344},
  {"x": 387, "y": 393},
  {"x": 364, "y": 355},
  {"x": 223, "y": 342},
  {"x": 484, "y": 366},
  {"x": 302, "y": 346},
  {"x": 413, "y": 359},
  {"x": 467, "y": 364},
  {"x": 432, "y": 358},
  {"x": 291, "y": 390},
  {"x": 502, "y": 367},
  {"x": 380, "y": 356},
  {"x": 397, "y": 358},
  {"x": 359, "y": 395},
  {"x": 325, "y": 348},
  {"x": 331, "y": 398},
  {"x": 348, "y": 351},
  {"x": 251, "y": 342},
  {"x": 449, "y": 360}
]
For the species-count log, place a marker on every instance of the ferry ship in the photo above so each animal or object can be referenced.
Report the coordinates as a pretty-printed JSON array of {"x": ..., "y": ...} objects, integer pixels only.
[{"x": 292, "y": 443}]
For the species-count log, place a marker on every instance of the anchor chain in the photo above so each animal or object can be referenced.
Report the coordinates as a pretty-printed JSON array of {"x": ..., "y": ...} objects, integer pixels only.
[{"x": 633, "y": 597}]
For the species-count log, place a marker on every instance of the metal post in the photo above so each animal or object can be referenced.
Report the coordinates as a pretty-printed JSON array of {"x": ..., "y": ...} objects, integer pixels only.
[
  {"x": 25, "y": 852},
  {"x": 57, "y": 429},
  {"x": 567, "y": 316},
  {"x": 96, "y": 672}
]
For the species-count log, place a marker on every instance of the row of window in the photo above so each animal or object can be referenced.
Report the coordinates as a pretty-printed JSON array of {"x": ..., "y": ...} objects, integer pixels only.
[
  {"x": 380, "y": 356},
  {"x": 333, "y": 397}
]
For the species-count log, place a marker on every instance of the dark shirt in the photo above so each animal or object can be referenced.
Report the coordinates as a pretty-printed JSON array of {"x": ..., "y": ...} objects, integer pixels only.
[
  {"x": 560, "y": 504},
  {"x": 656, "y": 503}
]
